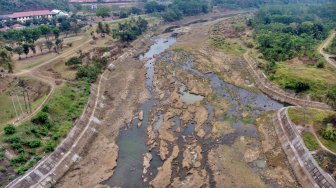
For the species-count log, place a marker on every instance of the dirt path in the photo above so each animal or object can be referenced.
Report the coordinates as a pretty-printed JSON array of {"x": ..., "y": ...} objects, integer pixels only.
[
  {"x": 34, "y": 72},
  {"x": 324, "y": 45},
  {"x": 312, "y": 130}
]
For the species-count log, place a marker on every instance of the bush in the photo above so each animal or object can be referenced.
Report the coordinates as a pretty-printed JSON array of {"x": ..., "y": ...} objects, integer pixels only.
[
  {"x": 9, "y": 129},
  {"x": 41, "y": 118},
  {"x": 45, "y": 108},
  {"x": 297, "y": 86},
  {"x": 21, "y": 158},
  {"x": 329, "y": 133},
  {"x": 34, "y": 143},
  {"x": 89, "y": 73},
  {"x": 73, "y": 61},
  {"x": 48, "y": 147}
]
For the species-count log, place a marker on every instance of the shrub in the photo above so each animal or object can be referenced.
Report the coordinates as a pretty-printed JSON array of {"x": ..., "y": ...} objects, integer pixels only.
[
  {"x": 45, "y": 108},
  {"x": 34, "y": 143},
  {"x": 297, "y": 86},
  {"x": 41, "y": 118},
  {"x": 9, "y": 129},
  {"x": 89, "y": 73},
  {"x": 48, "y": 147},
  {"x": 329, "y": 133},
  {"x": 73, "y": 61},
  {"x": 21, "y": 158}
]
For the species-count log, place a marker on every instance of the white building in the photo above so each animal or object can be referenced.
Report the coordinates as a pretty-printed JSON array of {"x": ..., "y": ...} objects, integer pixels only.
[{"x": 24, "y": 16}]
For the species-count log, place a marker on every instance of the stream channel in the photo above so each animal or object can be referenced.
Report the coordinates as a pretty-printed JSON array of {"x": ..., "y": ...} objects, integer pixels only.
[{"x": 132, "y": 141}]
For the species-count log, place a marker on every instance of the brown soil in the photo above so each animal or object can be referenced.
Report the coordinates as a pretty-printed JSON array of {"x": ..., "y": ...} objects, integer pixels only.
[{"x": 118, "y": 105}]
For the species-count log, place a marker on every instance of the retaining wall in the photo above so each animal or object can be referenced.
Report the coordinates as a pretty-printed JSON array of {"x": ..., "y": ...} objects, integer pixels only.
[
  {"x": 306, "y": 169},
  {"x": 275, "y": 92}
]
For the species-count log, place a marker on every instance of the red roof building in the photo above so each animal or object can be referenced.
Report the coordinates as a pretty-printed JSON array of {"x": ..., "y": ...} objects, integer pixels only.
[{"x": 24, "y": 16}]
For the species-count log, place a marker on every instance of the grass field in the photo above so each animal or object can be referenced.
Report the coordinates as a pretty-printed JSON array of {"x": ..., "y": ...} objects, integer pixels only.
[
  {"x": 310, "y": 141},
  {"x": 320, "y": 80}
]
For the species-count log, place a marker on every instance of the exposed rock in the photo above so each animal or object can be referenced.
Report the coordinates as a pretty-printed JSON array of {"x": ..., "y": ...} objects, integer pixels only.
[
  {"x": 251, "y": 155},
  {"x": 165, "y": 133},
  {"x": 201, "y": 133},
  {"x": 163, "y": 149},
  {"x": 147, "y": 158},
  {"x": 162, "y": 179},
  {"x": 141, "y": 115},
  {"x": 193, "y": 180},
  {"x": 201, "y": 116},
  {"x": 192, "y": 156}
]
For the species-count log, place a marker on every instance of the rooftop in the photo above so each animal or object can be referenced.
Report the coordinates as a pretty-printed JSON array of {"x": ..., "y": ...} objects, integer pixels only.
[{"x": 31, "y": 13}]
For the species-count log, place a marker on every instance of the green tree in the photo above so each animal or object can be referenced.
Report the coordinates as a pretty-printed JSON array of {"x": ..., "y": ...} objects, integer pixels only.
[
  {"x": 56, "y": 32},
  {"x": 25, "y": 49},
  {"x": 153, "y": 6},
  {"x": 9, "y": 129},
  {"x": 6, "y": 60},
  {"x": 49, "y": 44},
  {"x": 18, "y": 50},
  {"x": 103, "y": 11},
  {"x": 73, "y": 61}
]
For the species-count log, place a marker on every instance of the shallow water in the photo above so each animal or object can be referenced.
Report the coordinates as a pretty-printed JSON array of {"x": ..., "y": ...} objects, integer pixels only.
[
  {"x": 133, "y": 141},
  {"x": 189, "y": 98}
]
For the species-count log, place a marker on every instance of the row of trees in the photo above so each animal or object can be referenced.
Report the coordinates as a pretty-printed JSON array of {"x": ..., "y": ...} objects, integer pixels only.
[
  {"x": 177, "y": 9},
  {"x": 259, "y": 3},
  {"x": 25, "y": 40}
]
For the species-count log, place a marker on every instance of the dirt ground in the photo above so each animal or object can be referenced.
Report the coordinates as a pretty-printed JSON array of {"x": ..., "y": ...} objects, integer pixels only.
[{"x": 119, "y": 103}]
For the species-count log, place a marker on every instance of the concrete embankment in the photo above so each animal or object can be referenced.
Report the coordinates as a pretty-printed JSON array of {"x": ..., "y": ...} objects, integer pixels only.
[
  {"x": 306, "y": 169},
  {"x": 275, "y": 92}
]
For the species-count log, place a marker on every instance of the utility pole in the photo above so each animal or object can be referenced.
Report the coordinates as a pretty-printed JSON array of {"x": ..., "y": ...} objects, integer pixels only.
[
  {"x": 28, "y": 101},
  {"x": 24, "y": 98},
  {"x": 17, "y": 117},
  {"x": 17, "y": 98}
]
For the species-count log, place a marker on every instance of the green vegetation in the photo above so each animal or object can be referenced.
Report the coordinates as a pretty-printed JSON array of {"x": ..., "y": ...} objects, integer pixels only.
[
  {"x": 103, "y": 11},
  {"x": 284, "y": 32},
  {"x": 329, "y": 133},
  {"x": 288, "y": 37},
  {"x": 130, "y": 30},
  {"x": 332, "y": 48},
  {"x": 310, "y": 141},
  {"x": 258, "y": 3},
  {"x": 323, "y": 123},
  {"x": 177, "y": 9},
  {"x": 25, "y": 5},
  {"x": 9, "y": 129},
  {"x": 48, "y": 127},
  {"x": 221, "y": 43}
]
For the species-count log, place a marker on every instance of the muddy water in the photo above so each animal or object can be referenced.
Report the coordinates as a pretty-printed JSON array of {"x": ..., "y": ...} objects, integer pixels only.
[{"x": 132, "y": 141}]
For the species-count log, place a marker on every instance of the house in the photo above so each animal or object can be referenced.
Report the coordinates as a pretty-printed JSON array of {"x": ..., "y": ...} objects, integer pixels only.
[
  {"x": 59, "y": 13},
  {"x": 24, "y": 16}
]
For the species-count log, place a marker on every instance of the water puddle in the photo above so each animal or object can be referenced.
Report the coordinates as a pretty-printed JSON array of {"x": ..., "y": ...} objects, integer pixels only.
[{"x": 189, "y": 98}]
